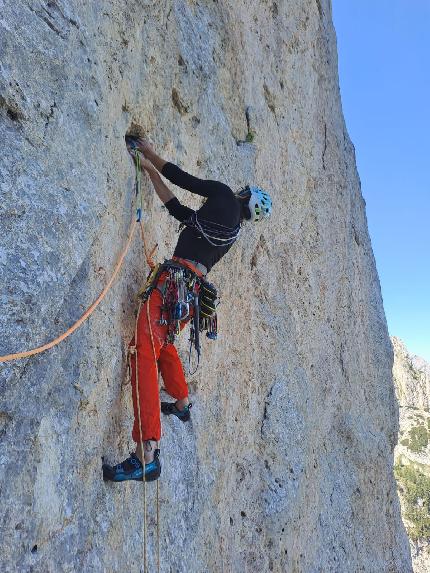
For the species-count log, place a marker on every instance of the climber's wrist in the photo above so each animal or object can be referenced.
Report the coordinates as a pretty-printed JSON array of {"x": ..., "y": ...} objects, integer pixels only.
[{"x": 157, "y": 161}]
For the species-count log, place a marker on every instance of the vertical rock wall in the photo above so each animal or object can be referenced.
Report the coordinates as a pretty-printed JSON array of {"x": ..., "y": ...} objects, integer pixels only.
[{"x": 287, "y": 465}]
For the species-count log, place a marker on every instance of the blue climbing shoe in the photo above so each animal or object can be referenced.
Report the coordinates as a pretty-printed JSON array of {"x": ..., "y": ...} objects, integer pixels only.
[
  {"x": 169, "y": 408},
  {"x": 132, "y": 469}
]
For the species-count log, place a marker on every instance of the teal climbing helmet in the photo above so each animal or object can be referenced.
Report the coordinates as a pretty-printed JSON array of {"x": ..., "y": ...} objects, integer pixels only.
[{"x": 260, "y": 203}]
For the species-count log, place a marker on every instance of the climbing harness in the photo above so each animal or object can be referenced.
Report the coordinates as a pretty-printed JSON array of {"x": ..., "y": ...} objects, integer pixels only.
[{"x": 185, "y": 296}]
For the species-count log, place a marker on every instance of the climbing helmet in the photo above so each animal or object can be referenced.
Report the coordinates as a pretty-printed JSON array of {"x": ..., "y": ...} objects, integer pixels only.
[{"x": 260, "y": 203}]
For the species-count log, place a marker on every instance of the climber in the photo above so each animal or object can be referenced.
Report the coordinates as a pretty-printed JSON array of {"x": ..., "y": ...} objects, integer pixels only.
[{"x": 208, "y": 235}]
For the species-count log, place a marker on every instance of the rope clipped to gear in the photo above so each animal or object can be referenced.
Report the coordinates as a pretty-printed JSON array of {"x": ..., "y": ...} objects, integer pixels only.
[
  {"x": 139, "y": 206},
  {"x": 138, "y": 185}
]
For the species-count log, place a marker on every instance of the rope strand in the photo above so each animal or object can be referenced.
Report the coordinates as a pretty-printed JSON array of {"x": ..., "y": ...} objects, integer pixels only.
[
  {"x": 148, "y": 316},
  {"x": 136, "y": 381},
  {"x": 158, "y": 524}
]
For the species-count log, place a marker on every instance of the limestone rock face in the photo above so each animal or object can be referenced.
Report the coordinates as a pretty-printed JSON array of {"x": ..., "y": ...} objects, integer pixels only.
[
  {"x": 287, "y": 464},
  {"x": 411, "y": 376}
]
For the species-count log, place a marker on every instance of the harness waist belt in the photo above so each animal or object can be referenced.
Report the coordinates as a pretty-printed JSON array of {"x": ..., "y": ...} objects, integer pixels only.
[{"x": 202, "y": 270}]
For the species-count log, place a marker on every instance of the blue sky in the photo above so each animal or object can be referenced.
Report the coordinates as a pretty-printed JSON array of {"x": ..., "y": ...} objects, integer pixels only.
[{"x": 384, "y": 69}]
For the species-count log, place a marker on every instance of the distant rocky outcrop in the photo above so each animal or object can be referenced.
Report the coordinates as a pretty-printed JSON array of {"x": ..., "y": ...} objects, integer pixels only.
[{"x": 411, "y": 376}]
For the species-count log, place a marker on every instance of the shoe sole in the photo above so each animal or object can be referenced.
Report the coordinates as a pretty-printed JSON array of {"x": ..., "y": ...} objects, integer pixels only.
[
  {"x": 152, "y": 478},
  {"x": 168, "y": 412},
  {"x": 149, "y": 477},
  {"x": 183, "y": 419}
]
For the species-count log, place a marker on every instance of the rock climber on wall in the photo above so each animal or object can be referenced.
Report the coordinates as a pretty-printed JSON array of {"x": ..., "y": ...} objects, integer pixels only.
[{"x": 177, "y": 293}]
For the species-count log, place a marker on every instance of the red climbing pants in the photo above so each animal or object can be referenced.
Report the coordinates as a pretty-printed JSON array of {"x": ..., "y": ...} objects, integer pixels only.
[{"x": 150, "y": 354}]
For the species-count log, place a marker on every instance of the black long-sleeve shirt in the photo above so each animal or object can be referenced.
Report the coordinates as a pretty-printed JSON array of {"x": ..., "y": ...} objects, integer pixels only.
[{"x": 221, "y": 207}]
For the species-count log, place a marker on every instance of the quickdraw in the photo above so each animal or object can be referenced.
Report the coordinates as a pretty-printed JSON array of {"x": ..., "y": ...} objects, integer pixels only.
[{"x": 134, "y": 151}]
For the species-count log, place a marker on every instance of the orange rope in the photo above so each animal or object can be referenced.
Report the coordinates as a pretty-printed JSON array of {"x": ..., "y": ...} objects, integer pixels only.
[
  {"x": 139, "y": 419},
  {"x": 148, "y": 317},
  {"x": 148, "y": 256},
  {"x": 87, "y": 313},
  {"x": 142, "y": 446}
]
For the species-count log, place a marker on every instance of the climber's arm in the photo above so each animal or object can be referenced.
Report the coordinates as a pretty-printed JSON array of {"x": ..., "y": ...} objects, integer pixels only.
[
  {"x": 148, "y": 151},
  {"x": 202, "y": 187},
  {"x": 160, "y": 187},
  {"x": 180, "y": 212}
]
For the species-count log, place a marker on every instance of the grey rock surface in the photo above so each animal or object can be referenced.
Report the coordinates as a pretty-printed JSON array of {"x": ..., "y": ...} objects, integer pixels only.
[{"x": 287, "y": 465}]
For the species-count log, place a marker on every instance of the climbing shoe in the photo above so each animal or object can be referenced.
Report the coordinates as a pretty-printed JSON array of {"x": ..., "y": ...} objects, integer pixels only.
[
  {"x": 169, "y": 408},
  {"x": 132, "y": 469}
]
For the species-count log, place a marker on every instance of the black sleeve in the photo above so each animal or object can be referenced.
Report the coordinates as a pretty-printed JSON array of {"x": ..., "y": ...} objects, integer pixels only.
[
  {"x": 203, "y": 187},
  {"x": 178, "y": 210}
]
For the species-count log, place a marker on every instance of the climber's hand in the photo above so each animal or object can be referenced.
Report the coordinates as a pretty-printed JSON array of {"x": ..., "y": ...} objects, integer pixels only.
[
  {"x": 147, "y": 165},
  {"x": 145, "y": 147}
]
